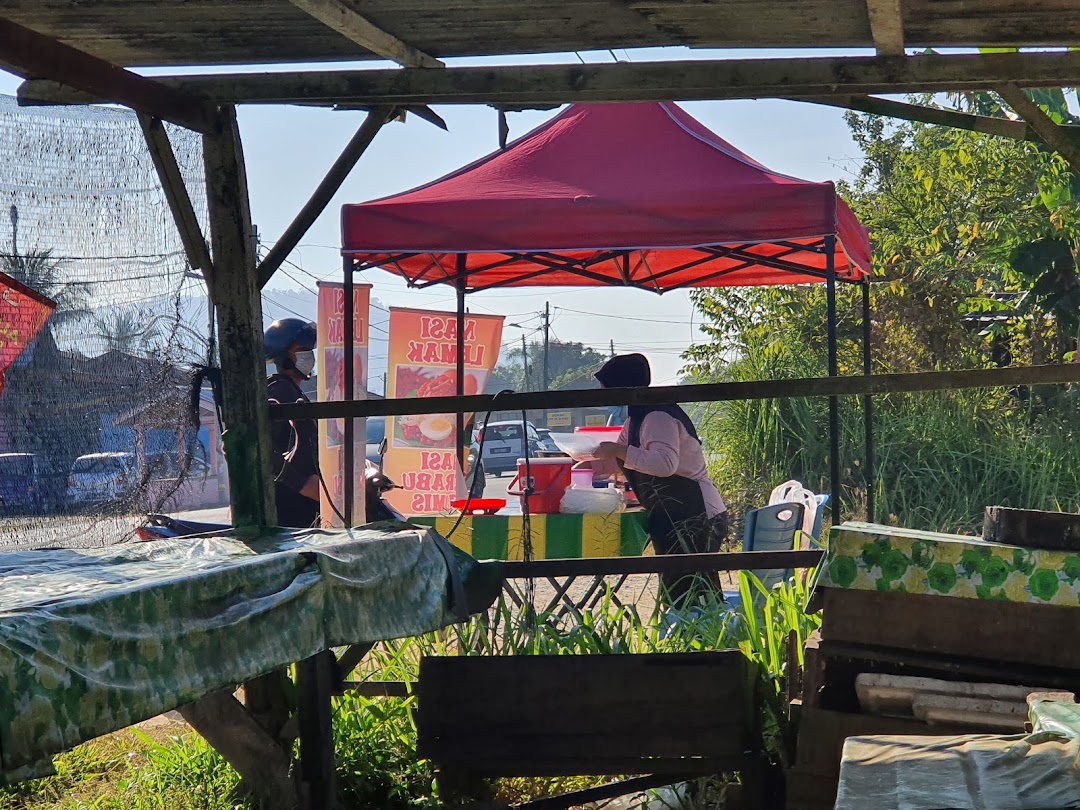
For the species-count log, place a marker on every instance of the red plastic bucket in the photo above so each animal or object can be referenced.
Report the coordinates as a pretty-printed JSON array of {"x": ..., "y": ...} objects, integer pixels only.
[{"x": 550, "y": 479}]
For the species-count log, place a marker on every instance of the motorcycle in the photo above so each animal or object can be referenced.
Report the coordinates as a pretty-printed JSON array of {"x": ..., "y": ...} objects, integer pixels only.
[{"x": 376, "y": 484}]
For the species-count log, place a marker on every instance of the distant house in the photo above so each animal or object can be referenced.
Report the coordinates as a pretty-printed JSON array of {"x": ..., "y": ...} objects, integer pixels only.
[{"x": 60, "y": 405}]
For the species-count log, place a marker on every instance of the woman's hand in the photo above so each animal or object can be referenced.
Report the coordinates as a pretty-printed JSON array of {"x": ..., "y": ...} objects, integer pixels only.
[{"x": 608, "y": 451}]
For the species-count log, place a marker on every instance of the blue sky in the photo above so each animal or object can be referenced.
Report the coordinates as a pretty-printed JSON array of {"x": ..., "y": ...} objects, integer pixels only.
[{"x": 288, "y": 149}]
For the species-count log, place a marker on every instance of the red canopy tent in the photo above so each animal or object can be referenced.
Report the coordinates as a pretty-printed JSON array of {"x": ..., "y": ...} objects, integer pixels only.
[
  {"x": 637, "y": 195},
  {"x": 630, "y": 195}
]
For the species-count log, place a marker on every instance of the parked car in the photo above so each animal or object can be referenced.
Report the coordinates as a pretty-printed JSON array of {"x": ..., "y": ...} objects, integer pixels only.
[
  {"x": 474, "y": 475},
  {"x": 102, "y": 478},
  {"x": 505, "y": 442},
  {"x": 24, "y": 483},
  {"x": 547, "y": 444}
]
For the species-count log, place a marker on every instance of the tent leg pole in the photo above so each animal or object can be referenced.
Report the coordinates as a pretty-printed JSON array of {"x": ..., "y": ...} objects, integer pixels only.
[
  {"x": 461, "y": 281},
  {"x": 348, "y": 339},
  {"x": 834, "y": 403},
  {"x": 868, "y": 407}
]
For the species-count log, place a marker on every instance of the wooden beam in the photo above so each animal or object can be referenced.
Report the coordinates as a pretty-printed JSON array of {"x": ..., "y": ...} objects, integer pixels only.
[
  {"x": 887, "y": 26},
  {"x": 32, "y": 54},
  {"x": 264, "y": 765},
  {"x": 324, "y": 192},
  {"x": 708, "y": 392},
  {"x": 1003, "y": 127},
  {"x": 172, "y": 183},
  {"x": 351, "y": 657},
  {"x": 343, "y": 17},
  {"x": 1049, "y": 131},
  {"x": 542, "y": 85},
  {"x": 239, "y": 311}
]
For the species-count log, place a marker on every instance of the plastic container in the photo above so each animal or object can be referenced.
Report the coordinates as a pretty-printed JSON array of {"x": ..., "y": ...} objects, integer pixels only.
[
  {"x": 606, "y": 501},
  {"x": 581, "y": 479},
  {"x": 550, "y": 480},
  {"x": 579, "y": 446},
  {"x": 604, "y": 433}
]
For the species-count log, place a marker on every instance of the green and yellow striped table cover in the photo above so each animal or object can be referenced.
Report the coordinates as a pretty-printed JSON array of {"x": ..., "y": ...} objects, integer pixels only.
[{"x": 501, "y": 537}]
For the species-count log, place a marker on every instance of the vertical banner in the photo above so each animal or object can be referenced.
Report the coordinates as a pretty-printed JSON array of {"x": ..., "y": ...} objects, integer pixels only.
[
  {"x": 331, "y": 387},
  {"x": 422, "y": 455},
  {"x": 23, "y": 312}
]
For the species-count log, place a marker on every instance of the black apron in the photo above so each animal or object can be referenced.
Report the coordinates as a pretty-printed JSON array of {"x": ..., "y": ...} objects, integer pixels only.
[{"x": 678, "y": 522}]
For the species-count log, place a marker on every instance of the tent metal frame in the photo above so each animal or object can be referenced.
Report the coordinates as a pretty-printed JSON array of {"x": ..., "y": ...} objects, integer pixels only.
[{"x": 550, "y": 262}]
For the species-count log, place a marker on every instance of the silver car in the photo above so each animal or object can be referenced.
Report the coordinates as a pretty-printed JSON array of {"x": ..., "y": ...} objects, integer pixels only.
[{"x": 102, "y": 478}]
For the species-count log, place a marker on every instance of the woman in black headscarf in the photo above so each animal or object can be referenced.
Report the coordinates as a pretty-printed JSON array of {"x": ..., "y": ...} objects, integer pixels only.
[{"x": 660, "y": 454}]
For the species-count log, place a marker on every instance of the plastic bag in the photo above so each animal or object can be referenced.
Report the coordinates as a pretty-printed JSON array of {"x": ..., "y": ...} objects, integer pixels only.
[{"x": 794, "y": 492}]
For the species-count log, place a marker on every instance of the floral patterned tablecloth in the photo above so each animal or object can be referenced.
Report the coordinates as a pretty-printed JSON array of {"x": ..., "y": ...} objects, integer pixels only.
[
  {"x": 92, "y": 641},
  {"x": 867, "y": 556}
]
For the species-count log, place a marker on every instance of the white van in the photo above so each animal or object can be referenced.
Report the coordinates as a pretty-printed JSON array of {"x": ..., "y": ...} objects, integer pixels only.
[{"x": 504, "y": 443}]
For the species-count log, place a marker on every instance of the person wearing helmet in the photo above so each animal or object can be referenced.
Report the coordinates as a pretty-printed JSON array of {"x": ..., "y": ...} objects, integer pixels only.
[{"x": 290, "y": 346}]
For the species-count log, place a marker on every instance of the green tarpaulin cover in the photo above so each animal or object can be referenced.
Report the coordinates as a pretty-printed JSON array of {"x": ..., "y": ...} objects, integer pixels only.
[{"x": 92, "y": 641}]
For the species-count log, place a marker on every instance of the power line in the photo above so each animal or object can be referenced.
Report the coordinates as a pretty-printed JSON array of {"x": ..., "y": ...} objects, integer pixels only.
[{"x": 620, "y": 317}]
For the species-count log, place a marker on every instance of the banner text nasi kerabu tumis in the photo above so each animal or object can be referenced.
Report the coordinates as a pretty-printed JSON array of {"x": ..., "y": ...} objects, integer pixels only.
[{"x": 421, "y": 457}]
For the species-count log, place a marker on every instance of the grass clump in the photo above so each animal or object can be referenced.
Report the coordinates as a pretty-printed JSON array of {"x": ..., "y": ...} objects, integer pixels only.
[{"x": 132, "y": 770}]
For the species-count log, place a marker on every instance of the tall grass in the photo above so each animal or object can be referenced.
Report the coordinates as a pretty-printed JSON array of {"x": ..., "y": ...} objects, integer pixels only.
[{"x": 940, "y": 457}]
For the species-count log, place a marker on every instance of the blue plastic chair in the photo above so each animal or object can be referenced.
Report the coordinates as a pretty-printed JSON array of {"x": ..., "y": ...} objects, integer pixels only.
[{"x": 770, "y": 528}]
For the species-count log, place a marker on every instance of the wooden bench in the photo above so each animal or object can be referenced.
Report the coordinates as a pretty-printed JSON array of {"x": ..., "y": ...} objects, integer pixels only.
[{"x": 667, "y": 716}]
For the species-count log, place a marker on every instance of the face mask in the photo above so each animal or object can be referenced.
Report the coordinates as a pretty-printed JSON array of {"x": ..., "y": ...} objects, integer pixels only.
[{"x": 305, "y": 363}]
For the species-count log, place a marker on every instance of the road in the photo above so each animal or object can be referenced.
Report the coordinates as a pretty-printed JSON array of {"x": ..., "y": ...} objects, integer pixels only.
[{"x": 97, "y": 531}]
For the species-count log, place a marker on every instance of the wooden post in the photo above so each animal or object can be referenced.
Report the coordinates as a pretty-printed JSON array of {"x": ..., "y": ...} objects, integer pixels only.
[
  {"x": 243, "y": 370},
  {"x": 239, "y": 311},
  {"x": 315, "y": 681}
]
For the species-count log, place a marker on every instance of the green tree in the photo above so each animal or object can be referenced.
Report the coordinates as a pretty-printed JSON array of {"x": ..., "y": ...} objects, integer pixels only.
[
  {"x": 570, "y": 365},
  {"x": 974, "y": 238},
  {"x": 43, "y": 273},
  {"x": 132, "y": 330}
]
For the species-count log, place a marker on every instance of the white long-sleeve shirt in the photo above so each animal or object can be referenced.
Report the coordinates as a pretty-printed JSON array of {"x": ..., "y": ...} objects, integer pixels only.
[{"x": 666, "y": 448}]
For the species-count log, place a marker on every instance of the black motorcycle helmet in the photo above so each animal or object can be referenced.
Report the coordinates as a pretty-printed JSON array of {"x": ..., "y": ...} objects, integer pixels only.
[{"x": 282, "y": 334}]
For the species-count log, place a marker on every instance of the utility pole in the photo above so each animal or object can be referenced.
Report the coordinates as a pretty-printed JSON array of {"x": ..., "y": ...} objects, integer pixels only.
[
  {"x": 14, "y": 231},
  {"x": 384, "y": 384},
  {"x": 525, "y": 360},
  {"x": 547, "y": 331},
  {"x": 613, "y": 347}
]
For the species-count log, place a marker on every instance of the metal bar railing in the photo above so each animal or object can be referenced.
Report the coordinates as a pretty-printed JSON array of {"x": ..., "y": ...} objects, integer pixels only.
[{"x": 921, "y": 381}]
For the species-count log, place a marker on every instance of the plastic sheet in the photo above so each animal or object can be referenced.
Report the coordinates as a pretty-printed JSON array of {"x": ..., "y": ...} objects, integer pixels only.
[{"x": 92, "y": 641}]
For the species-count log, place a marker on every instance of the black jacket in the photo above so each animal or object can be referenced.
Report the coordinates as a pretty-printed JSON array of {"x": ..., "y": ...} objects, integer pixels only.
[{"x": 295, "y": 458}]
